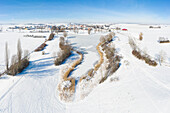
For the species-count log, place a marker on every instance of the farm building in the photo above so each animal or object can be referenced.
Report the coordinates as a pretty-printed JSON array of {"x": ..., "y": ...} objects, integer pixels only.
[{"x": 124, "y": 30}]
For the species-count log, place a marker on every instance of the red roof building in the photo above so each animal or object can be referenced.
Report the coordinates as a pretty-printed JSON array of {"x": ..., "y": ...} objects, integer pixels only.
[{"x": 124, "y": 29}]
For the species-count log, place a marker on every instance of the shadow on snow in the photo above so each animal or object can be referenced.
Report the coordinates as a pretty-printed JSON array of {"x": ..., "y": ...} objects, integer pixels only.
[{"x": 40, "y": 68}]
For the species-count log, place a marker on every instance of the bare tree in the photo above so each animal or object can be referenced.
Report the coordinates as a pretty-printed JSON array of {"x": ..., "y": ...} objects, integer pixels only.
[
  {"x": 132, "y": 43},
  {"x": 26, "y": 54},
  {"x": 19, "y": 52},
  {"x": 6, "y": 56},
  {"x": 161, "y": 57},
  {"x": 62, "y": 41},
  {"x": 14, "y": 59}
]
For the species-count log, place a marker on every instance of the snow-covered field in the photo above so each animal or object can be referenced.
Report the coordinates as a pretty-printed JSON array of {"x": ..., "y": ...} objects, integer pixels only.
[{"x": 139, "y": 88}]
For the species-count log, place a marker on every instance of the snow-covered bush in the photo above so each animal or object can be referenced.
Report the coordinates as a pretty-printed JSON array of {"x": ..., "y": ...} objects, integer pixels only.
[
  {"x": 161, "y": 57},
  {"x": 132, "y": 43},
  {"x": 64, "y": 52},
  {"x": 65, "y": 34},
  {"x": 113, "y": 60},
  {"x": 102, "y": 39},
  {"x": 65, "y": 84},
  {"x": 66, "y": 89},
  {"x": 114, "y": 79}
]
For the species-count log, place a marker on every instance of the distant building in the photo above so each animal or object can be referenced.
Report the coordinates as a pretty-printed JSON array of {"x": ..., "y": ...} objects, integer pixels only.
[{"x": 124, "y": 30}]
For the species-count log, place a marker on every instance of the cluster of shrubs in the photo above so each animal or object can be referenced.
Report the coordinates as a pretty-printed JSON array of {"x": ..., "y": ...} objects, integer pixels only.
[
  {"x": 66, "y": 90},
  {"x": 51, "y": 36},
  {"x": 141, "y": 55},
  {"x": 92, "y": 71},
  {"x": 18, "y": 64},
  {"x": 113, "y": 59},
  {"x": 67, "y": 86},
  {"x": 64, "y": 53},
  {"x": 41, "y": 47},
  {"x": 146, "y": 58},
  {"x": 110, "y": 55},
  {"x": 18, "y": 67},
  {"x": 108, "y": 38}
]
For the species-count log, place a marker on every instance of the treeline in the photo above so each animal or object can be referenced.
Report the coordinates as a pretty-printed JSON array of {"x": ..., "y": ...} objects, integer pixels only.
[
  {"x": 140, "y": 54},
  {"x": 43, "y": 45},
  {"x": 64, "y": 53},
  {"x": 18, "y": 62}
]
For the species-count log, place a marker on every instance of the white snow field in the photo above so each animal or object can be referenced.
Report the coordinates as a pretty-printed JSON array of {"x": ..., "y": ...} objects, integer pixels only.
[{"x": 140, "y": 88}]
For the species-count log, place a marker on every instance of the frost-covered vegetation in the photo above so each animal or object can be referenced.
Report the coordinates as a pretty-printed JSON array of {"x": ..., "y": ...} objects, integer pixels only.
[
  {"x": 106, "y": 66},
  {"x": 18, "y": 64},
  {"x": 133, "y": 87},
  {"x": 140, "y": 54},
  {"x": 65, "y": 51}
]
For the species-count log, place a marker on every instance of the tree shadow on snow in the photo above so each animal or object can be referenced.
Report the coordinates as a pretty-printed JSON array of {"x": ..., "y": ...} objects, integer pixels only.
[
  {"x": 40, "y": 68},
  {"x": 71, "y": 37}
]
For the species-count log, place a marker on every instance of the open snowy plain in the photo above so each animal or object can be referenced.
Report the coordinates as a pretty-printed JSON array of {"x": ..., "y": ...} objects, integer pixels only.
[{"x": 138, "y": 87}]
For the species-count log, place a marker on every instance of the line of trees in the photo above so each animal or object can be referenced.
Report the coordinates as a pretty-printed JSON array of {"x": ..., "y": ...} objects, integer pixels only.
[
  {"x": 64, "y": 53},
  {"x": 18, "y": 64},
  {"x": 137, "y": 52}
]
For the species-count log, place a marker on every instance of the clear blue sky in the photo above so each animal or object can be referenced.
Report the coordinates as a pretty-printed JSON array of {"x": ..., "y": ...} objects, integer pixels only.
[{"x": 131, "y": 11}]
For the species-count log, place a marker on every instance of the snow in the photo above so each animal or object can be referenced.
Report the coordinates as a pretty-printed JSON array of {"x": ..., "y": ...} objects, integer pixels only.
[
  {"x": 137, "y": 88},
  {"x": 27, "y": 43}
]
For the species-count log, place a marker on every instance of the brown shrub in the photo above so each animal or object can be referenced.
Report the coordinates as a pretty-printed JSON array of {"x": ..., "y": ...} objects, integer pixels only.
[
  {"x": 62, "y": 55},
  {"x": 41, "y": 47},
  {"x": 51, "y": 36},
  {"x": 17, "y": 63},
  {"x": 113, "y": 59},
  {"x": 17, "y": 67},
  {"x": 145, "y": 58},
  {"x": 90, "y": 72},
  {"x": 141, "y": 36},
  {"x": 43, "y": 52}
]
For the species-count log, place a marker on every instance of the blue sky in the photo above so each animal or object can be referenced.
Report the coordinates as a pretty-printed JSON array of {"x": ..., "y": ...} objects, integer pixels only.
[{"x": 115, "y": 11}]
